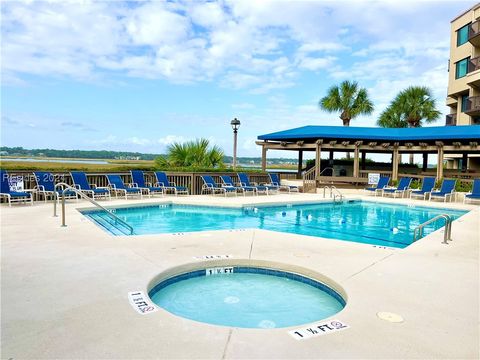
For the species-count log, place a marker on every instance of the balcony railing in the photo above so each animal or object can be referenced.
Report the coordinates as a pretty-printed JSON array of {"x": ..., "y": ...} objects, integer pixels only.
[
  {"x": 451, "y": 120},
  {"x": 473, "y": 64},
  {"x": 473, "y": 32},
  {"x": 473, "y": 106}
]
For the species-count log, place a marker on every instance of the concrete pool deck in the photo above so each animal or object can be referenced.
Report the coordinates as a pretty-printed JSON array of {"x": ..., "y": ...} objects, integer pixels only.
[{"x": 64, "y": 290}]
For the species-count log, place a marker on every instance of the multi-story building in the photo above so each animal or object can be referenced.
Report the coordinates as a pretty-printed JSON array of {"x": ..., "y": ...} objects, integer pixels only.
[{"x": 463, "y": 96}]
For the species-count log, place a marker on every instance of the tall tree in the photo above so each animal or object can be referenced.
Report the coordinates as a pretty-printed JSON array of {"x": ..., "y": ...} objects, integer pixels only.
[
  {"x": 349, "y": 99},
  {"x": 410, "y": 108}
]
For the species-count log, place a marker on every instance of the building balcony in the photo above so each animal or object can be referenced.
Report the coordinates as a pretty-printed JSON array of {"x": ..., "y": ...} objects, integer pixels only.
[
  {"x": 473, "y": 64},
  {"x": 474, "y": 33},
  {"x": 451, "y": 120},
  {"x": 472, "y": 107}
]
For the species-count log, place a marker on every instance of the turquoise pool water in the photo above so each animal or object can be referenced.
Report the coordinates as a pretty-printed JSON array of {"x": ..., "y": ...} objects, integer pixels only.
[
  {"x": 358, "y": 221},
  {"x": 248, "y": 298}
]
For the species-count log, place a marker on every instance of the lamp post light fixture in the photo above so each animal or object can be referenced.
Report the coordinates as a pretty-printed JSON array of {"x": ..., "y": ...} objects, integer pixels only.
[{"x": 235, "y": 125}]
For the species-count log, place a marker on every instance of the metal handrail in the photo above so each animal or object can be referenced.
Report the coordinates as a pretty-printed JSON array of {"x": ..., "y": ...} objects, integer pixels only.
[
  {"x": 327, "y": 168},
  {"x": 418, "y": 231},
  {"x": 332, "y": 188},
  {"x": 85, "y": 197},
  {"x": 338, "y": 194}
]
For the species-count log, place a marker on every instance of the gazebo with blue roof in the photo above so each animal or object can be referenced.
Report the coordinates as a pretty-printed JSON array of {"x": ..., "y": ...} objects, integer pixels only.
[{"x": 439, "y": 140}]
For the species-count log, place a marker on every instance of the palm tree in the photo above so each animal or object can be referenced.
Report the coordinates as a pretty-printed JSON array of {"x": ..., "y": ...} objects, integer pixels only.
[
  {"x": 392, "y": 117},
  {"x": 192, "y": 154},
  {"x": 410, "y": 108},
  {"x": 349, "y": 99},
  {"x": 417, "y": 104}
]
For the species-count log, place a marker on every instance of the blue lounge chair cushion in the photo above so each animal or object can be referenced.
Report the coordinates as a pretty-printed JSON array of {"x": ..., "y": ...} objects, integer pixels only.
[
  {"x": 19, "y": 194},
  {"x": 137, "y": 178},
  {"x": 420, "y": 192},
  {"x": 100, "y": 191},
  {"x": 132, "y": 190},
  {"x": 439, "y": 193},
  {"x": 475, "y": 194},
  {"x": 448, "y": 186},
  {"x": 153, "y": 188},
  {"x": 67, "y": 193}
]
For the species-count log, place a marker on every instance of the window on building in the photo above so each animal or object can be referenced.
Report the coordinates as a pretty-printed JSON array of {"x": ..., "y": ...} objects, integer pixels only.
[
  {"x": 462, "y": 35},
  {"x": 461, "y": 68},
  {"x": 464, "y": 102}
]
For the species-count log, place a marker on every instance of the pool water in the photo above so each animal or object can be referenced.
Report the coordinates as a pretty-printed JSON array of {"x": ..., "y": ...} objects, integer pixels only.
[
  {"x": 248, "y": 300},
  {"x": 359, "y": 221}
]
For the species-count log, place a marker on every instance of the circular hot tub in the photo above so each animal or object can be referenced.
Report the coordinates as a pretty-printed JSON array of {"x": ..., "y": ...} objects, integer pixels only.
[{"x": 247, "y": 297}]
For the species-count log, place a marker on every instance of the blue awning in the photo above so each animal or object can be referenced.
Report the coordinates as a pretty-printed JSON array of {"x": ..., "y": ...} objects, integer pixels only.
[{"x": 431, "y": 133}]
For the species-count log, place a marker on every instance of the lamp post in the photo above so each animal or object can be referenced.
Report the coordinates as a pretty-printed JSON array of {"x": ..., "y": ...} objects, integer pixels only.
[{"x": 235, "y": 125}]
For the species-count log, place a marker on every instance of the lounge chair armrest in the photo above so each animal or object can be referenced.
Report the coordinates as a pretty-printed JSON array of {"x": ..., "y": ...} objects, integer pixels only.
[
  {"x": 93, "y": 186},
  {"x": 149, "y": 184},
  {"x": 40, "y": 187},
  {"x": 29, "y": 190},
  {"x": 173, "y": 183},
  {"x": 254, "y": 183},
  {"x": 102, "y": 187},
  {"x": 133, "y": 185}
]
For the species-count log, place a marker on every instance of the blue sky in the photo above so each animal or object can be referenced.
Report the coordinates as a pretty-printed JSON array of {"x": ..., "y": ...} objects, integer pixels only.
[{"x": 137, "y": 76}]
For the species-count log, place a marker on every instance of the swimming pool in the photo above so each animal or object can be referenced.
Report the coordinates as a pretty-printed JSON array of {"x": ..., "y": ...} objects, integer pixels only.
[
  {"x": 247, "y": 297},
  {"x": 366, "y": 222}
]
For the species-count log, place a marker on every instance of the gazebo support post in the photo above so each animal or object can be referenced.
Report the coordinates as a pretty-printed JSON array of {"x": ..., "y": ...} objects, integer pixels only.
[
  {"x": 318, "y": 158},
  {"x": 264, "y": 158},
  {"x": 395, "y": 158},
  {"x": 425, "y": 161},
  {"x": 464, "y": 162},
  {"x": 363, "y": 162},
  {"x": 300, "y": 164},
  {"x": 356, "y": 160},
  {"x": 439, "y": 160}
]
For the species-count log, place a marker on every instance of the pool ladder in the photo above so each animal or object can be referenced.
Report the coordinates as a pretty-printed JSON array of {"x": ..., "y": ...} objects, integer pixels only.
[
  {"x": 447, "y": 236},
  {"x": 335, "y": 192},
  {"x": 85, "y": 197}
]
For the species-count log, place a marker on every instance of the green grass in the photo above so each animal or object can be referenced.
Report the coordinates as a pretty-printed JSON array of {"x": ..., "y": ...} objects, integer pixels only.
[{"x": 112, "y": 166}]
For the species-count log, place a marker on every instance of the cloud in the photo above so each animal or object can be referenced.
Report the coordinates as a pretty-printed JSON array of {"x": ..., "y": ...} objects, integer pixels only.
[
  {"x": 8, "y": 120},
  {"x": 315, "y": 64},
  {"x": 259, "y": 47},
  {"x": 243, "y": 106},
  {"x": 170, "y": 139},
  {"x": 73, "y": 125}
]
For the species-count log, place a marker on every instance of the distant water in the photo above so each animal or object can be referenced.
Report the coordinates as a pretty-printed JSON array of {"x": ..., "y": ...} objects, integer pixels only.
[
  {"x": 268, "y": 170},
  {"x": 67, "y": 161}
]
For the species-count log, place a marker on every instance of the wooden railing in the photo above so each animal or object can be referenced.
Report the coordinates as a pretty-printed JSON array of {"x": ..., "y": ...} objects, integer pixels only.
[
  {"x": 473, "y": 105},
  {"x": 451, "y": 120},
  {"x": 192, "y": 181},
  {"x": 473, "y": 30},
  {"x": 309, "y": 181},
  {"x": 473, "y": 64}
]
